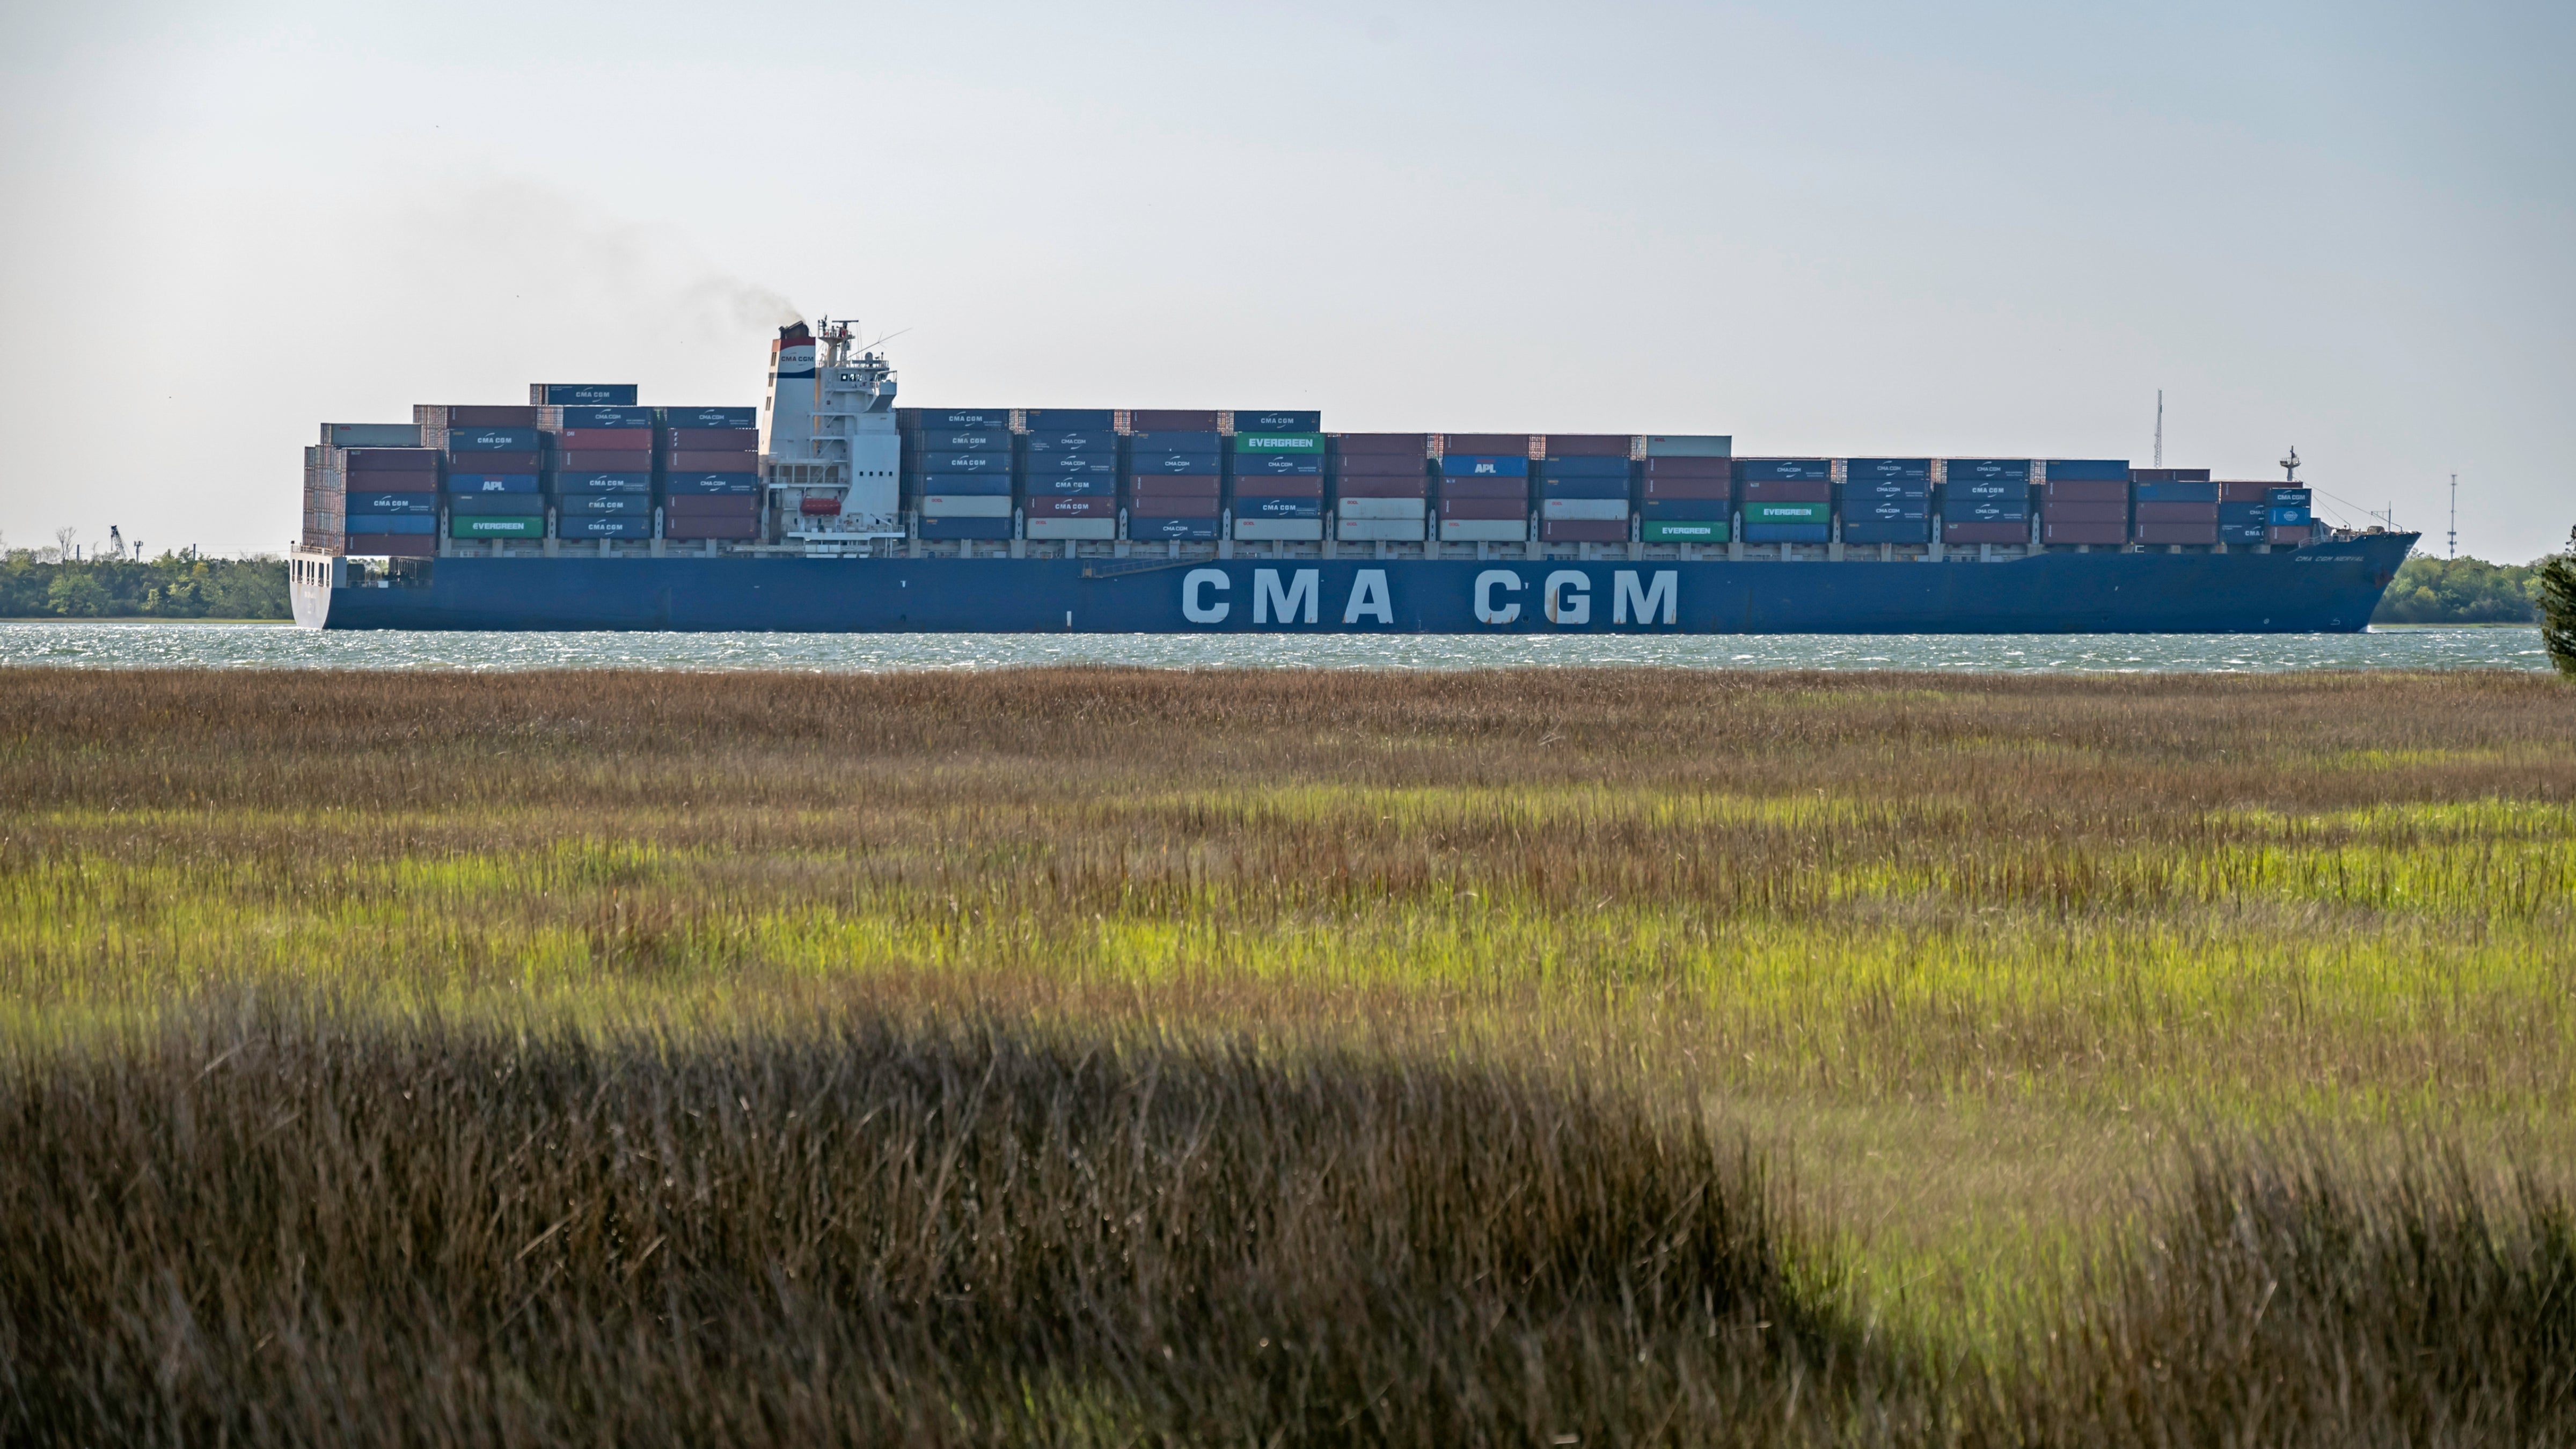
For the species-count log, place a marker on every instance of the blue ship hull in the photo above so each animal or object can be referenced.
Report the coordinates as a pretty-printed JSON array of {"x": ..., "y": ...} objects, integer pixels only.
[{"x": 2320, "y": 588}]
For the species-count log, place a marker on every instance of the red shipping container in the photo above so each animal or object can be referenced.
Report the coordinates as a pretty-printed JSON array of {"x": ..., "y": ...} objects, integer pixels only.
[
  {"x": 1170, "y": 485},
  {"x": 2178, "y": 513},
  {"x": 2087, "y": 492},
  {"x": 1172, "y": 505},
  {"x": 2299, "y": 534},
  {"x": 2169, "y": 475},
  {"x": 1504, "y": 445},
  {"x": 2059, "y": 530},
  {"x": 1280, "y": 485},
  {"x": 1415, "y": 446},
  {"x": 614, "y": 440},
  {"x": 2245, "y": 492},
  {"x": 1720, "y": 468},
  {"x": 1589, "y": 445},
  {"x": 470, "y": 416},
  {"x": 391, "y": 460},
  {"x": 1584, "y": 530},
  {"x": 691, "y": 529},
  {"x": 707, "y": 440},
  {"x": 1788, "y": 490},
  {"x": 395, "y": 545},
  {"x": 2113, "y": 511},
  {"x": 2178, "y": 532},
  {"x": 711, "y": 505},
  {"x": 1985, "y": 532},
  {"x": 1454, "y": 507},
  {"x": 1381, "y": 465},
  {"x": 712, "y": 463},
  {"x": 1053, "y": 506},
  {"x": 595, "y": 461},
  {"x": 1694, "y": 489},
  {"x": 1172, "y": 420},
  {"x": 1517, "y": 488},
  {"x": 1415, "y": 485},
  {"x": 393, "y": 482},
  {"x": 496, "y": 462}
]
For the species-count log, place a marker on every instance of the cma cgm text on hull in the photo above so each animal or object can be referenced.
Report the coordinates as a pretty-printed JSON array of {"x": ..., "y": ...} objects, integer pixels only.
[{"x": 586, "y": 509}]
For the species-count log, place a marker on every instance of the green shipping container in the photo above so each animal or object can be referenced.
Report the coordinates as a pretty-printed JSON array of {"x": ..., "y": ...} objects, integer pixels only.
[
  {"x": 1279, "y": 443},
  {"x": 1788, "y": 512},
  {"x": 1658, "y": 531},
  {"x": 468, "y": 525}
]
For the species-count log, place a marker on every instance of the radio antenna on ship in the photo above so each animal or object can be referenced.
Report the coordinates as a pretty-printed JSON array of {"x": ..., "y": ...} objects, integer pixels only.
[
  {"x": 2290, "y": 465},
  {"x": 2455, "y": 516},
  {"x": 2160, "y": 427}
]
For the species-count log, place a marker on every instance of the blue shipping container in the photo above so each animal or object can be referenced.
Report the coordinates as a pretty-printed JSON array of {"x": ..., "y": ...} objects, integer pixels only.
[
  {"x": 1186, "y": 529},
  {"x": 1048, "y": 465},
  {"x": 1584, "y": 468},
  {"x": 956, "y": 440},
  {"x": 608, "y": 418},
  {"x": 2088, "y": 470},
  {"x": 2290, "y": 518},
  {"x": 970, "y": 485},
  {"x": 1991, "y": 469},
  {"x": 392, "y": 523},
  {"x": 1984, "y": 510},
  {"x": 1584, "y": 487},
  {"x": 588, "y": 394},
  {"x": 936, "y": 528},
  {"x": 2243, "y": 533},
  {"x": 384, "y": 503},
  {"x": 966, "y": 463},
  {"x": 2288, "y": 497},
  {"x": 1917, "y": 492},
  {"x": 1988, "y": 488},
  {"x": 1888, "y": 510},
  {"x": 734, "y": 418},
  {"x": 1786, "y": 532},
  {"x": 1479, "y": 466},
  {"x": 493, "y": 440},
  {"x": 1685, "y": 510},
  {"x": 2176, "y": 492},
  {"x": 1278, "y": 507},
  {"x": 1277, "y": 422},
  {"x": 1916, "y": 472},
  {"x": 1069, "y": 420},
  {"x": 1074, "y": 485},
  {"x": 2242, "y": 513},
  {"x": 1177, "y": 442},
  {"x": 1090, "y": 440},
  {"x": 1783, "y": 470},
  {"x": 1887, "y": 530},
  {"x": 491, "y": 482},
  {"x": 503, "y": 505},
  {"x": 704, "y": 485},
  {"x": 603, "y": 482},
  {"x": 1275, "y": 465},
  {"x": 587, "y": 527},
  {"x": 1192, "y": 463},
  {"x": 603, "y": 505}
]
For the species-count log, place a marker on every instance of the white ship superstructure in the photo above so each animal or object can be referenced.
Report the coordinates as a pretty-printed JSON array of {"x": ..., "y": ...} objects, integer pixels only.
[{"x": 831, "y": 456}]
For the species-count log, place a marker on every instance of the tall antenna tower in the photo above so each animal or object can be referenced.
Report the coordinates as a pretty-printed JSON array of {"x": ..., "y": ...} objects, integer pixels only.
[
  {"x": 2455, "y": 515},
  {"x": 2160, "y": 427}
]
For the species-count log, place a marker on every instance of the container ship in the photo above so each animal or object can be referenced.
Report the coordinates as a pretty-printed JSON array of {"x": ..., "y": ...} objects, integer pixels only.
[{"x": 829, "y": 508}]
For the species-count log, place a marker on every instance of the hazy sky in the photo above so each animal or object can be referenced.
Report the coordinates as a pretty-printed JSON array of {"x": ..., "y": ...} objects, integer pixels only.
[{"x": 1850, "y": 229}]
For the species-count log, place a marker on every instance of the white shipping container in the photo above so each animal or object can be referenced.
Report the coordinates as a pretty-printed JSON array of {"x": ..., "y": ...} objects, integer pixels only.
[
  {"x": 1690, "y": 445},
  {"x": 1484, "y": 530},
  {"x": 982, "y": 505},
  {"x": 1584, "y": 510},
  {"x": 1073, "y": 528},
  {"x": 1384, "y": 510},
  {"x": 1279, "y": 530},
  {"x": 1381, "y": 530}
]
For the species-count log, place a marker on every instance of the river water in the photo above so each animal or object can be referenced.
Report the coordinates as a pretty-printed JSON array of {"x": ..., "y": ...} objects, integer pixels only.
[{"x": 167, "y": 644}]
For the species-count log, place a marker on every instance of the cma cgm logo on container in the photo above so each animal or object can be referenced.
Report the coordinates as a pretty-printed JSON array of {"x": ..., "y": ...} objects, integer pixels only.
[{"x": 1563, "y": 598}]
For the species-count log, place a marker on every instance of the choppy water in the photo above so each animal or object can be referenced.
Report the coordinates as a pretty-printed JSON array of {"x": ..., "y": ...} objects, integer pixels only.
[{"x": 157, "y": 644}]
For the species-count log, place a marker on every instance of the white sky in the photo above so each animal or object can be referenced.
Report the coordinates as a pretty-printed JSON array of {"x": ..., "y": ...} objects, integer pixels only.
[{"x": 1850, "y": 229}]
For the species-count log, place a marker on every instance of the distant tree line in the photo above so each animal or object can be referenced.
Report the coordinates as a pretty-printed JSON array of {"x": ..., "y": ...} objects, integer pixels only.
[
  {"x": 41, "y": 584},
  {"x": 2461, "y": 591}
]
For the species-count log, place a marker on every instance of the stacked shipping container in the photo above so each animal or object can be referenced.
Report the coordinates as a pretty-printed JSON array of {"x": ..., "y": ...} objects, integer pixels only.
[
  {"x": 1887, "y": 500},
  {"x": 1175, "y": 474},
  {"x": 1381, "y": 487},
  {"x": 2084, "y": 501},
  {"x": 391, "y": 500},
  {"x": 1985, "y": 500},
  {"x": 709, "y": 474},
  {"x": 494, "y": 459},
  {"x": 1585, "y": 488},
  {"x": 957, "y": 467},
  {"x": 1278, "y": 461},
  {"x": 1686, "y": 493},
  {"x": 1785, "y": 500},
  {"x": 1484, "y": 488},
  {"x": 599, "y": 466},
  {"x": 1069, "y": 467}
]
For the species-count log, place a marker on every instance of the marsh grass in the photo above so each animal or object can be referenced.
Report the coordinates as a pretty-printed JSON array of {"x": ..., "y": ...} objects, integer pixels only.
[{"x": 1979, "y": 956}]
